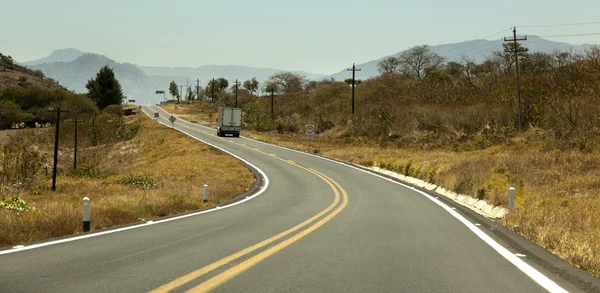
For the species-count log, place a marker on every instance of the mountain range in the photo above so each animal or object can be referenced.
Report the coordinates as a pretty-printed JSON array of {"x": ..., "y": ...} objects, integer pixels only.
[
  {"x": 73, "y": 68},
  {"x": 477, "y": 50}
]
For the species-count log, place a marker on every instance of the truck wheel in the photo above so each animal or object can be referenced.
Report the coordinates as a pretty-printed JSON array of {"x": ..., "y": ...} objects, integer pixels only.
[{"x": 236, "y": 134}]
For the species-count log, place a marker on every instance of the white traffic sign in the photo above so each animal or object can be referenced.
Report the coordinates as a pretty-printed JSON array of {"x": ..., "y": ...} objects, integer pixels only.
[{"x": 309, "y": 130}]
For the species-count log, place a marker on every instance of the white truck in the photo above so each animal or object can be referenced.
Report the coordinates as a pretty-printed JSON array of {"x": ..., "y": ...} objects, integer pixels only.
[{"x": 230, "y": 121}]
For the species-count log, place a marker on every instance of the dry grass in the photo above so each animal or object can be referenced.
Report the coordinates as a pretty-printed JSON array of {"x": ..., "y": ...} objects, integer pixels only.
[
  {"x": 179, "y": 165},
  {"x": 557, "y": 191}
]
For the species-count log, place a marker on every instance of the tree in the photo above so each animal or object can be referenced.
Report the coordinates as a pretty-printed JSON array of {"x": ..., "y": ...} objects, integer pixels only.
[
  {"x": 592, "y": 55},
  {"x": 389, "y": 65},
  {"x": 537, "y": 63},
  {"x": 174, "y": 90},
  {"x": 6, "y": 62},
  {"x": 419, "y": 59},
  {"x": 288, "y": 81},
  {"x": 271, "y": 87},
  {"x": 251, "y": 85},
  {"x": 454, "y": 69},
  {"x": 190, "y": 94},
  {"x": 507, "y": 56},
  {"x": 221, "y": 84},
  {"x": 105, "y": 89},
  {"x": 349, "y": 81}
]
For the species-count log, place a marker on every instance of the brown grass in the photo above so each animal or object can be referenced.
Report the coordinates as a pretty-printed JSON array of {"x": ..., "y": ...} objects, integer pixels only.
[
  {"x": 557, "y": 191},
  {"x": 177, "y": 163}
]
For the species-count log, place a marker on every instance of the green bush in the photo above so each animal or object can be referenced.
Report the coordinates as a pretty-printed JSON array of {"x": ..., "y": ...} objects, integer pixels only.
[
  {"x": 15, "y": 204},
  {"x": 138, "y": 180}
]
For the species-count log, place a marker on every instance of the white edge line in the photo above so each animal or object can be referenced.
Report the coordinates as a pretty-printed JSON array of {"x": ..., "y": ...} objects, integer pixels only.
[
  {"x": 531, "y": 272},
  {"x": 218, "y": 208}
]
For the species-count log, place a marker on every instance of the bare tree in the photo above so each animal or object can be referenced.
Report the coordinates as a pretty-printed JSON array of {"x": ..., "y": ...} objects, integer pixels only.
[
  {"x": 537, "y": 63},
  {"x": 592, "y": 54},
  {"x": 389, "y": 65},
  {"x": 469, "y": 69},
  {"x": 289, "y": 82},
  {"x": 419, "y": 59}
]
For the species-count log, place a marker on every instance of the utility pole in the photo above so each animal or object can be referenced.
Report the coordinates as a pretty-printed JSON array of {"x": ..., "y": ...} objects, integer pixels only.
[
  {"x": 187, "y": 87},
  {"x": 180, "y": 92},
  {"x": 272, "y": 103},
  {"x": 198, "y": 89},
  {"x": 213, "y": 90},
  {"x": 75, "y": 150},
  {"x": 354, "y": 70},
  {"x": 57, "y": 111},
  {"x": 514, "y": 40},
  {"x": 236, "y": 91}
]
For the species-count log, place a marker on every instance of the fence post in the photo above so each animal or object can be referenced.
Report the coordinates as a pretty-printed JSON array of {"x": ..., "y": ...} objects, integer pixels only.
[
  {"x": 205, "y": 193},
  {"x": 511, "y": 199},
  {"x": 86, "y": 214}
]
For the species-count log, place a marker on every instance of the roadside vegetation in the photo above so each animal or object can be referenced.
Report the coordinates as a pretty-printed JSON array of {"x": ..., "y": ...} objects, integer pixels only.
[
  {"x": 455, "y": 124},
  {"x": 130, "y": 167}
]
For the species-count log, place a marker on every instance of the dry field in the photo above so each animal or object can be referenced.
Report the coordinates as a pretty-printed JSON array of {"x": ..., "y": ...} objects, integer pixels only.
[{"x": 158, "y": 173}]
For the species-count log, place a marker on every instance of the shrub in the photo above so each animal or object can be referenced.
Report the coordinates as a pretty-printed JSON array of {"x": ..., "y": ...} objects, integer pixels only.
[
  {"x": 20, "y": 163},
  {"x": 90, "y": 170},
  {"x": 15, "y": 204},
  {"x": 138, "y": 180},
  {"x": 116, "y": 110}
]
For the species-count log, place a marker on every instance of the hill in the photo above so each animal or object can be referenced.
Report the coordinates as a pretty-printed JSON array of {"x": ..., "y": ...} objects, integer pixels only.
[
  {"x": 75, "y": 74},
  {"x": 62, "y": 55},
  {"x": 477, "y": 50},
  {"x": 22, "y": 76}
]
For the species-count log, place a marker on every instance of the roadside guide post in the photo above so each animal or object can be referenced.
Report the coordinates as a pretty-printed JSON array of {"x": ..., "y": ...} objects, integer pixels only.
[
  {"x": 205, "y": 193},
  {"x": 511, "y": 199},
  {"x": 86, "y": 214}
]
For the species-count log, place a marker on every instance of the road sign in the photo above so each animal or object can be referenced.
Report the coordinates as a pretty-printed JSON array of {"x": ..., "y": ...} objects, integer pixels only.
[
  {"x": 156, "y": 115},
  {"x": 132, "y": 101},
  {"x": 309, "y": 130},
  {"x": 160, "y": 92},
  {"x": 172, "y": 119}
]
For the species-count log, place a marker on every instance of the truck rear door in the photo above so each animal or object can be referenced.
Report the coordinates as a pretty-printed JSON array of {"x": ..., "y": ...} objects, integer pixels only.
[
  {"x": 236, "y": 118},
  {"x": 227, "y": 117}
]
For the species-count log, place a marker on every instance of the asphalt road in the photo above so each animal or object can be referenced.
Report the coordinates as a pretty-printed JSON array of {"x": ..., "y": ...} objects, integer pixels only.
[{"x": 316, "y": 226}]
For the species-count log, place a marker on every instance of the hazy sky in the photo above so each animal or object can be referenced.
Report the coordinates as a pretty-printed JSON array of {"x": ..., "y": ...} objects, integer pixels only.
[{"x": 317, "y": 36}]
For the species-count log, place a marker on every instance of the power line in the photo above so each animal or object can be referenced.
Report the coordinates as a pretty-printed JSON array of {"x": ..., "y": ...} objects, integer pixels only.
[
  {"x": 569, "y": 35},
  {"x": 565, "y": 24}
]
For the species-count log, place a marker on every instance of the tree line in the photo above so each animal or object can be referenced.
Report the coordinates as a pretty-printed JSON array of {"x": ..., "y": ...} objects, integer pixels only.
[{"x": 421, "y": 99}]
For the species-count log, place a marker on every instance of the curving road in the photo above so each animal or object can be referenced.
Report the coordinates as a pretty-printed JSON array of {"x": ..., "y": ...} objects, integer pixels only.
[{"x": 312, "y": 225}]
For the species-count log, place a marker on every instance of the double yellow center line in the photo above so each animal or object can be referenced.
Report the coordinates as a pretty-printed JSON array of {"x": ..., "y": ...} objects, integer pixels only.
[{"x": 313, "y": 223}]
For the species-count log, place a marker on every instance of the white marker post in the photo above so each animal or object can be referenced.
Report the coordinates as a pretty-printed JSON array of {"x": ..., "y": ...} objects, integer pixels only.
[
  {"x": 511, "y": 199},
  {"x": 205, "y": 193},
  {"x": 86, "y": 214}
]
